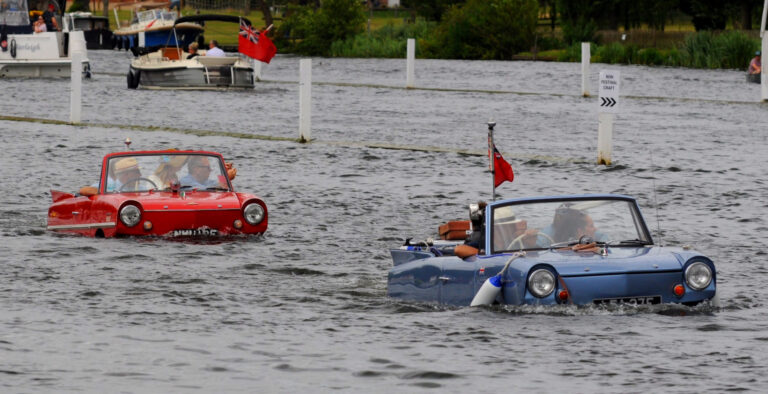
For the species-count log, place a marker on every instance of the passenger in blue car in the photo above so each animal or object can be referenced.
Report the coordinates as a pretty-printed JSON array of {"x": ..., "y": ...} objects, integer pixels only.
[{"x": 572, "y": 224}]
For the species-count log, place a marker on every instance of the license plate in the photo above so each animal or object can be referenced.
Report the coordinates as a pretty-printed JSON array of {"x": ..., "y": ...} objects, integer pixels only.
[
  {"x": 644, "y": 300},
  {"x": 206, "y": 232}
]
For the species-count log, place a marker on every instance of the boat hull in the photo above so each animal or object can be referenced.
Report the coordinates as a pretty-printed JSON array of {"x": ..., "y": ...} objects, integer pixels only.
[{"x": 41, "y": 55}]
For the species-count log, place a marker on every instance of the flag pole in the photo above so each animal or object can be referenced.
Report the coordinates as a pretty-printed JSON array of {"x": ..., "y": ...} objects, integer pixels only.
[{"x": 492, "y": 156}]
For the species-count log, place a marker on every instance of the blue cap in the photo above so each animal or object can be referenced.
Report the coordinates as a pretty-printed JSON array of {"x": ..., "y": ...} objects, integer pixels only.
[{"x": 757, "y": 53}]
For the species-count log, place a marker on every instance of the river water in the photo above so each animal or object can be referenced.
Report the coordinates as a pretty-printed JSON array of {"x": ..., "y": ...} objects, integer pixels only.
[{"x": 304, "y": 308}]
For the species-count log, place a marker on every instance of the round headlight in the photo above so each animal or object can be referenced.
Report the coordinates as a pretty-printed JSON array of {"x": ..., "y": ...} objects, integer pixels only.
[
  {"x": 253, "y": 214},
  {"x": 698, "y": 276},
  {"x": 130, "y": 215},
  {"x": 541, "y": 283}
]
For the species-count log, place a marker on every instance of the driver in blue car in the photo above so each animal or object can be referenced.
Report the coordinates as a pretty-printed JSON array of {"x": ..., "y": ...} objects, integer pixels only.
[{"x": 199, "y": 169}]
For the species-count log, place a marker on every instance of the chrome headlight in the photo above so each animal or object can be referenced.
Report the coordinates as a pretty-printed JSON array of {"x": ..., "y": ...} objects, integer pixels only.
[
  {"x": 130, "y": 215},
  {"x": 253, "y": 214},
  {"x": 541, "y": 283},
  {"x": 698, "y": 276}
]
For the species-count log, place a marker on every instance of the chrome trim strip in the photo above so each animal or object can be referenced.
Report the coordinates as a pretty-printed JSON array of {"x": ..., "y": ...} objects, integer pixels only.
[
  {"x": 82, "y": 226},
  {"x": 189, "y": 210}
]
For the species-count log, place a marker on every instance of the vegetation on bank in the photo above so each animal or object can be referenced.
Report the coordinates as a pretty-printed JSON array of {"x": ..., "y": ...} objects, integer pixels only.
[{"x": 481, "y": 29}]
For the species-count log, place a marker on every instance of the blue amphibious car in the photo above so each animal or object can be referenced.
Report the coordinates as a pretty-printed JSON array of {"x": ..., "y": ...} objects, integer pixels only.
[{"x": 583, "y": 249}]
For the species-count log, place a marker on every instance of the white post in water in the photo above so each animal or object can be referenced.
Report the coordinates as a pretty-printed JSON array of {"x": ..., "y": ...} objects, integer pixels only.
[
  {"x": 608, "y": 105},
  {"x": 585, "y": 56},
  {"x": 75, "y": 94},
  {"x": 764, "y": 50},
  {"x": 411, "y": 55},
  {"x": 77, "y": 53},
  {"x": 305, "y": 99},
  {"x": 256, "y": 71}
]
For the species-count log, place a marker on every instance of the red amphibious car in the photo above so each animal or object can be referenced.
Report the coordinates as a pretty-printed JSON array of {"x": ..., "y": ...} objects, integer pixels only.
[{"x": 160, "y": 193}]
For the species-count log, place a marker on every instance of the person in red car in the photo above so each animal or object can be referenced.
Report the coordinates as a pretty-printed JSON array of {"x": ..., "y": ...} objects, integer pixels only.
[
  {"x": 199, "y": 168},
  {"x": 128, "y": 174}
]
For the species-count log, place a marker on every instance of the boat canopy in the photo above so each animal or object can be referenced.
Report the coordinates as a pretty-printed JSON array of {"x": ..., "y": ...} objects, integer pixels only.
[{"x": 212, "y": 17}]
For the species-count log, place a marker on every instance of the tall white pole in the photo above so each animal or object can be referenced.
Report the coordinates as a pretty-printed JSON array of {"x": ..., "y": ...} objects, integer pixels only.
[
  {"x": 763, "y": 72},
  {"x": 305, "y": 99},
  {"x": 585, "y": 56},
  {"x": 604, "y": 138},
  {"x": 256, "y": 71},
  {"x": 75, "y": 93},
  {"x": 411, "y": 54}
]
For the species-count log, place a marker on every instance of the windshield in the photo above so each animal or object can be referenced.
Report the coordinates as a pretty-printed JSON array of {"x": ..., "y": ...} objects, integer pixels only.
[
  {"x": 160, "y": 171},
  {"x": 535, "y": 225}
]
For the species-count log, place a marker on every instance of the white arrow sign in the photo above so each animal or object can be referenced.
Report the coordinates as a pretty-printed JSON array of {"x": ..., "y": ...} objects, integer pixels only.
[{"x": 609, "y": 91}]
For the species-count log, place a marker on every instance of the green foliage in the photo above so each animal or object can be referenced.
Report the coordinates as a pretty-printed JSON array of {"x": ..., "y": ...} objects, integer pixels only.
[
  {"x": 650, "y": 56},
  {"x": 705, "y": 49},
  {"x": 485, "y": 29},
  {"x": 611, "y": 53},
  {"x": 79, "y": 5},
  {"x": 432, "y": 10},
  {"x": 386, "y": 42},
  {"x": 573, "y": 53},
  {"x": 316, "y": 30}
]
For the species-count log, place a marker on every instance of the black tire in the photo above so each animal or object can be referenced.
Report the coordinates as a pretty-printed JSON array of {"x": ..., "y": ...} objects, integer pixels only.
[
  {"x": 133, "y": 78},
  {"x": 13, "y": 48}
]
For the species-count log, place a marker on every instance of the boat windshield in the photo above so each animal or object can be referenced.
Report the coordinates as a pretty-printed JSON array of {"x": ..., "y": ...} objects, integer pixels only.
[
  {"x": 562, "y": 223},
  {"x": 160, "y": 171},
  {"x": 14, "y": 13}
]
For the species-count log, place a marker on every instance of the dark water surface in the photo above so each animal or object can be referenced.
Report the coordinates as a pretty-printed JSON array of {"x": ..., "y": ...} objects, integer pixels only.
[{"x": 304, "y": 308}]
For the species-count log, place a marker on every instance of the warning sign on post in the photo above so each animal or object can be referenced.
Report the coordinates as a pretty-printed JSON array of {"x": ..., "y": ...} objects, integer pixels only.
[{"x": 609, "y": 91}]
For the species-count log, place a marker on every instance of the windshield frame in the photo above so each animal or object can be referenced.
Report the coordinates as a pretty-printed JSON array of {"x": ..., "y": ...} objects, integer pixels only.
[
  {"x": 636, "y": 217},
  {"x": 112, "y": 158}
]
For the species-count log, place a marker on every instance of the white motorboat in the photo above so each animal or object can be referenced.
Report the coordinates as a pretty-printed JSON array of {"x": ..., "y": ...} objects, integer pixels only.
[
  {"x": 24, "y": 53},
  {"x": 168, "y": 67}
]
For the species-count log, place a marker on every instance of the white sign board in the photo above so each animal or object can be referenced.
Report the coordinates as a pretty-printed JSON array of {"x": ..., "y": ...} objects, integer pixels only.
[{"x": 609, "y": 91}]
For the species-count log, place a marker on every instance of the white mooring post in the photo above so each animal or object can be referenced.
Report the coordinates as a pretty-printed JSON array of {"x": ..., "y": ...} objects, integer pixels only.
[
  {"x": 305, "y": 99},
  {"x": 764, "y": 71},
  {"x": 764, "y": 53},
  {"x": 75, "y": 101},
  {"x": 411, "y": 55},
  {"x": 256, "y": 71},
  {"x": 604, "y": 138},
  {"x": 608, "y": 102},
  {"x": 585, "y": 56},
  {"x": 77, "y": 54}
]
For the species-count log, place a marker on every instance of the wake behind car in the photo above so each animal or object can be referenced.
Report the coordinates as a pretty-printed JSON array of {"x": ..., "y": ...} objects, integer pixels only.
[
  {"x": 162, "y": 193},
  {"x": 583, "y": 250}
]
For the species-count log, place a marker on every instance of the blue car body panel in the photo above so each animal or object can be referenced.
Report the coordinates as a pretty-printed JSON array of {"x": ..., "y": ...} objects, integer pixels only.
[{"x": 619, "y": 274}]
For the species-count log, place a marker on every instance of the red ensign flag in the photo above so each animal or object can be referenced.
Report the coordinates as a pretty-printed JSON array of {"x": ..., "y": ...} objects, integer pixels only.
[
  {"x": 255, "y": 45},
  {"x": 503, "y": 171}
]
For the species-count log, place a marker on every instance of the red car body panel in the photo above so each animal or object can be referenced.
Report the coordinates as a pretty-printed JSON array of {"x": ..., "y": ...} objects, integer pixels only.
[{"x": 163, "y": 213}]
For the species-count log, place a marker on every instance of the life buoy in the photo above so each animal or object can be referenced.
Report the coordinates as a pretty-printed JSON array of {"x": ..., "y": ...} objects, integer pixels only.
[
  {"x": 133, "y": 78},
  {"x": 13, "y": 48}
]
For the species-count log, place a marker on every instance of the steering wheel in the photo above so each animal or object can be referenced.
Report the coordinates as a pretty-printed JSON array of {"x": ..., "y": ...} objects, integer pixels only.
[
  {"x": 134, "y": 180},
  {"x": 519, "y": 240}
]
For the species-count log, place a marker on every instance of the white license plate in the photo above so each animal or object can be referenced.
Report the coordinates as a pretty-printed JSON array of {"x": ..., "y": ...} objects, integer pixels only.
[
  {"x": 644, "y": 300},
  {"x": 204, "y": 232}
]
